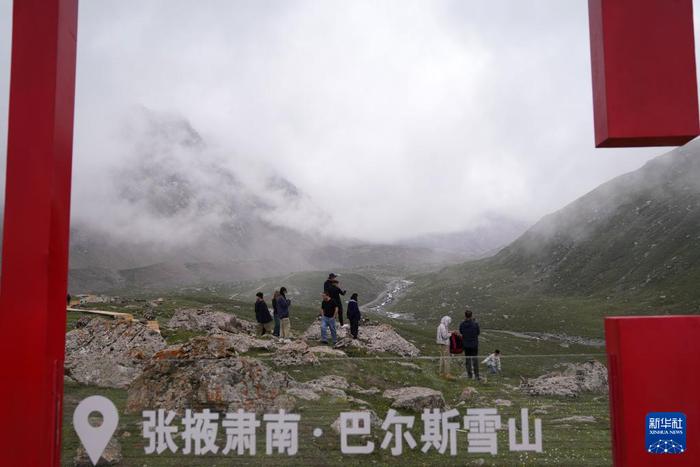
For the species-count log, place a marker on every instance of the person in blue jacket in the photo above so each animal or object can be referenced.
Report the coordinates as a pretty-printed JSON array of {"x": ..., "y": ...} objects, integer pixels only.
[
  {"x": 469, "y": 329},
  {"x": 354, "y": 315}
]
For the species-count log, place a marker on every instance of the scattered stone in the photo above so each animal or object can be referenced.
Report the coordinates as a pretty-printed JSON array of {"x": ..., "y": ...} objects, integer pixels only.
[
  {"x": 221, "y": 384},
  {"x": 294, "y": 353},
  {"x": 468, "y": 394},
  {"x": 576, "y": 419},
  {"x": 503, "y": 402},
  {"x": 330, "y": 381},
  {"x": 591, "y": 376},
  {"x": 208, "y": 319},
  {"x": 112, "y": 455},
  {"x": 110, "y": 353},
  {"x": 415, "y": 398}
]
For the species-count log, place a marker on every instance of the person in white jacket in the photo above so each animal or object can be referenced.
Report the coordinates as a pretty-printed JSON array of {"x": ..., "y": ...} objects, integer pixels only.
[
  {"x": 443, "y": 340},
  {"x": 493, "y": 362}
]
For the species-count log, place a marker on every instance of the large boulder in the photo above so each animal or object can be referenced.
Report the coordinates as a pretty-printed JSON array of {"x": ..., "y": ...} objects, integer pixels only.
[
  {"x": 415, "y": 398},
  {"x": 110, "y": 353},
  {"x": 185, "y": 379},
  {"x": 207, "y": 319},
  {"x": 591, "y": 376},
  {"x": 376, "y": 338}
]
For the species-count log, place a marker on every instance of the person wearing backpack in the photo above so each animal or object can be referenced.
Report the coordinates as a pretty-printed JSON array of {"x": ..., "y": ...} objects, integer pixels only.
[
  {"x": 442, "y": 339},
  {"x": 470, "y": 342}
]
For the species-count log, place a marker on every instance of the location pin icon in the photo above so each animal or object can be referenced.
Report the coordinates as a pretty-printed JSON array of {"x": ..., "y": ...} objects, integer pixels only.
[{"x": 95, "y": 439}]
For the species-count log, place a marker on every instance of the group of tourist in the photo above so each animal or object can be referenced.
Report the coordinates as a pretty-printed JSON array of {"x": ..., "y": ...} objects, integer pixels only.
[
  {"x": 465, "y": 340},
  {"x": 277, "y": 323}
]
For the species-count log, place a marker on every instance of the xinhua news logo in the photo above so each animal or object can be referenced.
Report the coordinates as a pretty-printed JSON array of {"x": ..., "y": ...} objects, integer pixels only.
[{"x": 665, "y": 433}]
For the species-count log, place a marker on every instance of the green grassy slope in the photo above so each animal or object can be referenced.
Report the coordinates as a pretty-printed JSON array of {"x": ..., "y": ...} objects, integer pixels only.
[{"x": 631, "y": 246}]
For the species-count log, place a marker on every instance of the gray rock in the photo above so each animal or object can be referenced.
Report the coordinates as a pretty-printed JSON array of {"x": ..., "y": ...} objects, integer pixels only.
[
  {"x": 110, "y": 353},
  {"x": 205, "y": 375},
  {"x": 208, "y": 319},
  {"x": 415, "y": 398},
  {"x": 468, "y": 394},
  {"x": 375, "y": 338},
  {"x": 591, "y": 376},
  {"x": 293, "y": 354}
]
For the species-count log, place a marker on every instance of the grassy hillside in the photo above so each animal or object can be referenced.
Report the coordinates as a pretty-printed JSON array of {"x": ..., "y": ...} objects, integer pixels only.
[{"x": 631, "y": 246}]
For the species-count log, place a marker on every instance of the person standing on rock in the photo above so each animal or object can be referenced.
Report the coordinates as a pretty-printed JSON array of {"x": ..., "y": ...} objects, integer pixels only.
[
  {"x": 328, "y": 312},
  {"x": 262, "y": 315},
  {"x": 354, "y": 315},
  {"x": 334, "y": 291},
  {"x": 443, "y": 341},
  {"x": 283, "y": 305},
  {"x": 470, "y": 343},
  {"x": 276, "y": 330}
]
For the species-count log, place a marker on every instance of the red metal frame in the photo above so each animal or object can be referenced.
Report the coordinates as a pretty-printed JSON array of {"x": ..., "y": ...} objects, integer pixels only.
[
  {"x": 631, "y": 101},
  {"x": 35, "y": 242},
  {"x": 643, "y": 67}
]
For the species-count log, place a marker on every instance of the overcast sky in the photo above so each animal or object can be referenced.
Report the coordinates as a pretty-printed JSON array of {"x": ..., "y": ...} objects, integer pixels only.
[{"x": 396, "y": 117}]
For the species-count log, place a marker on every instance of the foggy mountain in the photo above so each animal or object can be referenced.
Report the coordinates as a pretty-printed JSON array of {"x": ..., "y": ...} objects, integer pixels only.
[
  {"x": 491, "y": 234},
  {"x": 176, "y": 213},
  {"x": 633, "y": 242}
]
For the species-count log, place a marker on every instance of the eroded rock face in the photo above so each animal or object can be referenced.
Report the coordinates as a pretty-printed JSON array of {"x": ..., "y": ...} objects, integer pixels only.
[
  {"x": 373, "y": 338},
  {"x": 208, "y": 319},
  {"x": 591, "y": 376},
  {"x": 222, "y": 384},
  {"x": 243, "y": 343},
  {"x": 110, "y": 353},
  {"x": 415, "y": 398}
]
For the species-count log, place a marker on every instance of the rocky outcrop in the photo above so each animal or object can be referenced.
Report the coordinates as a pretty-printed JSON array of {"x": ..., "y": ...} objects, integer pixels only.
[
  {"x": 415, "y": 398},
  {"x": 376, "y": 338},
  {"x": 207, "y": 319},
  {"x": 591, "y": 376},
  {"x": 293, "y": 354},
  {"x": 205, "y": 374},
  {"x": 110, "y": 353}
]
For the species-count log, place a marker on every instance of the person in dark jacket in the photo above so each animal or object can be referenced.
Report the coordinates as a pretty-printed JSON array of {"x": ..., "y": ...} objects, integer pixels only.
[
  {"x": 469, "y": 329},
  {"x": 354, "y": 315},
  {"x": 334, "y": 291},
  {"x": 262, "y": 315},
  {"x": 276, "y": 330},
  {"x": 283, "y": 304}
]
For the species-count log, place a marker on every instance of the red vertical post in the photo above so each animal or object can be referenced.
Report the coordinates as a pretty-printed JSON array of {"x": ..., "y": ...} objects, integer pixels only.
[
  {"x": 36, "y": 229},
  {"x": 643, "y": 66},
  {"x": 652, "y": 367}
]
